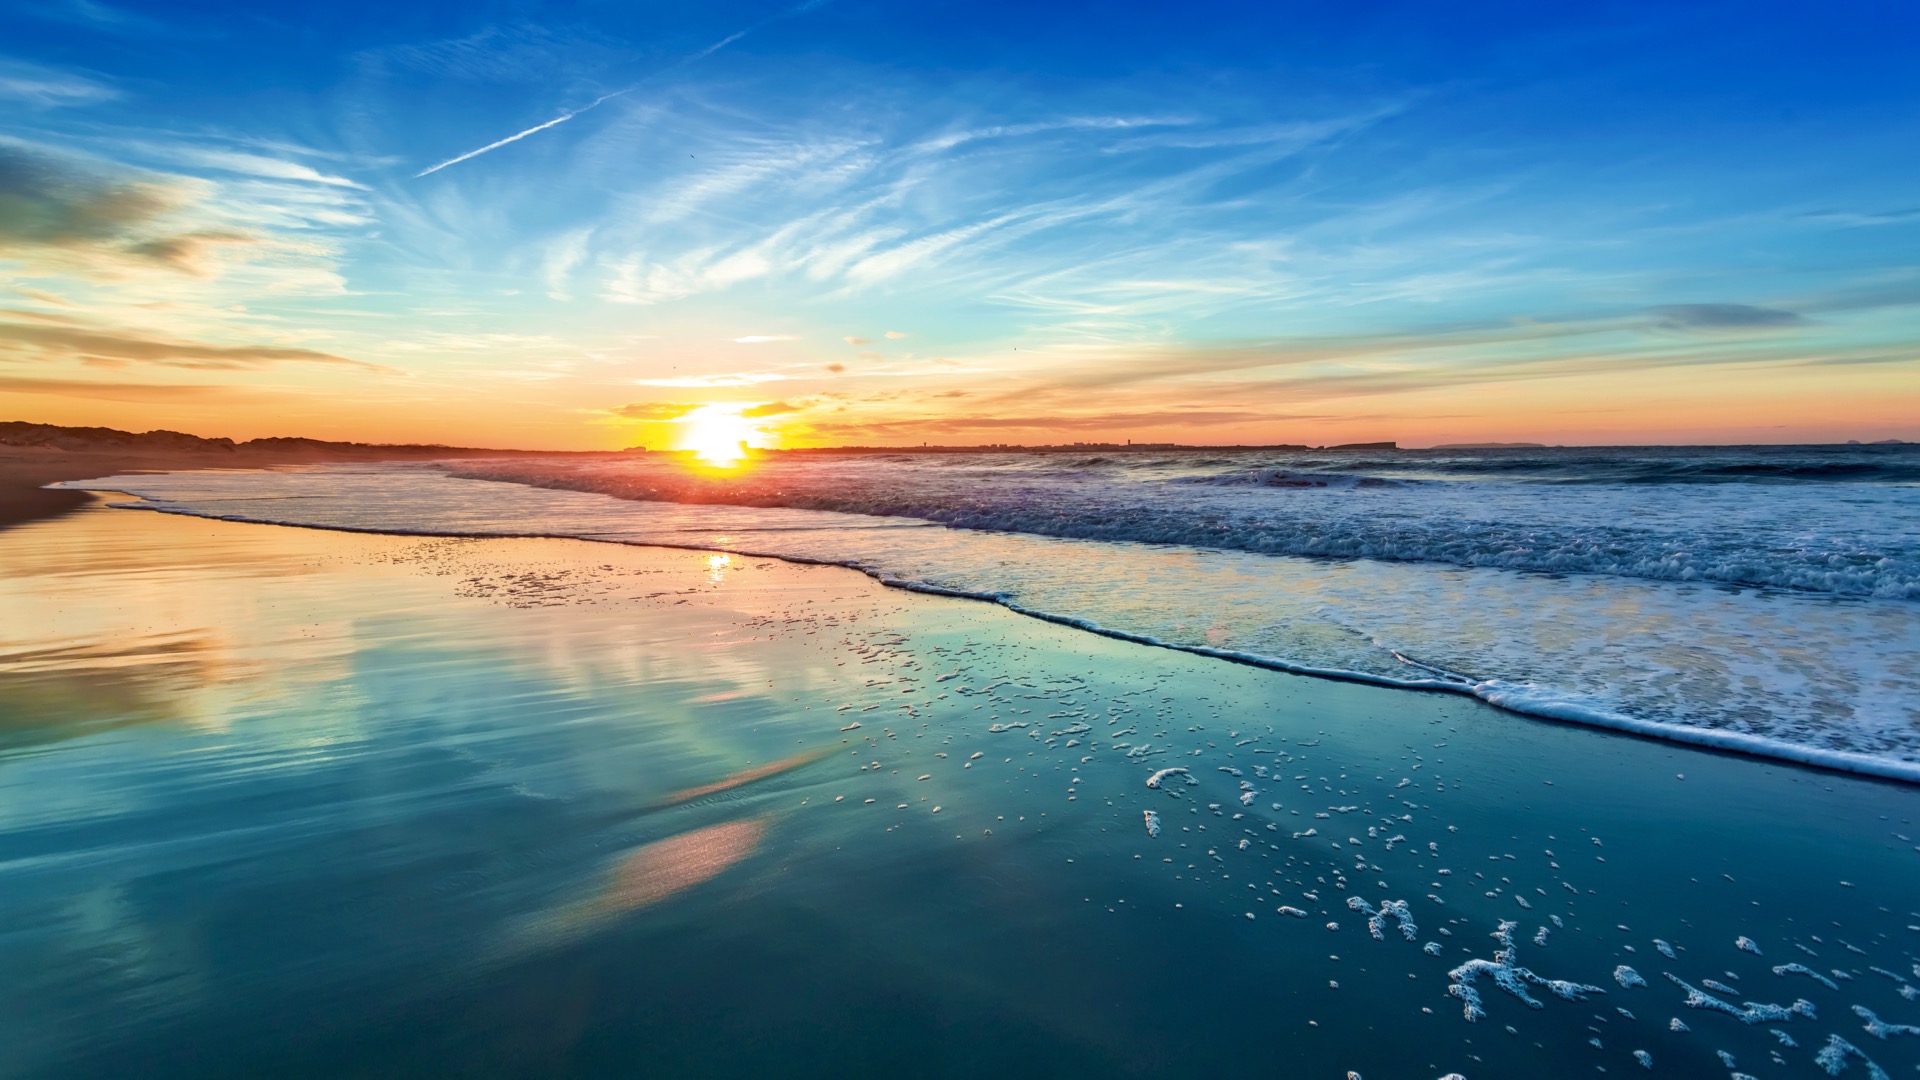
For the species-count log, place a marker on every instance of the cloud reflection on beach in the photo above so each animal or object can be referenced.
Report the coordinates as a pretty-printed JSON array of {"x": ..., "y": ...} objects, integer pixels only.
[
  {"x": 745, "y": 776},
  {"x": 643, "y": 876}
]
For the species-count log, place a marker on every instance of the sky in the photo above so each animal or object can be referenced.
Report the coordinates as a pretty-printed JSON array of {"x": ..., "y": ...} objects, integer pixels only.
[{"x": 833, "y": 222}]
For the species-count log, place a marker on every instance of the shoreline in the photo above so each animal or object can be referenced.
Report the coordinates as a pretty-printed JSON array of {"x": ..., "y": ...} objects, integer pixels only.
[
  {"x": 26, "y": 470},
  {"x": 1491, "y": 694},
  {"x": 24, "y": 496}
]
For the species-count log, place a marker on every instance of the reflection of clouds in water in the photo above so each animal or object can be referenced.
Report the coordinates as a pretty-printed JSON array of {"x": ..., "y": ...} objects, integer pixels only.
[
  {"x": 75, "y": 688},
  {"x": 100, "y": 938},
  {"x": 745, "y": 776},
  {"x": 119, "y": 617},
  {"x": 643, "y": 876}
]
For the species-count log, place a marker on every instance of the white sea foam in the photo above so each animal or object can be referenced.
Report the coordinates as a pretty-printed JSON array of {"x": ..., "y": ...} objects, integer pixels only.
[
  {"x": 1506, "y": 973},
  {"x": 1833, "y": 1058},
  {"x": 1879, "y": 1028},
  {"x": 1397, "y": 910},
  {"x": 1159, "y": 779},
  {"x": 1802, "y": 969},
  {"x": 1748, "y": 1012}
]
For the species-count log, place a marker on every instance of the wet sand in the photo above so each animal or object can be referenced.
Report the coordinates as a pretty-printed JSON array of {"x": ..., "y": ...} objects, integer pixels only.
[
  {"x": 24, "y": 470},
  {"x": 23, "y": 473},
  {"x": 289, "y": 802}
]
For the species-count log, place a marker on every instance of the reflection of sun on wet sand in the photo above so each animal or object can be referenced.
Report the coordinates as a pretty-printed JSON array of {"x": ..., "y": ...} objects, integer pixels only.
[{"x": 646, "y": 875}]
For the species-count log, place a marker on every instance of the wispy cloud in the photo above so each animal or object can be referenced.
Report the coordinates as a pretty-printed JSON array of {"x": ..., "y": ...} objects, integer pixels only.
[
  {"x": 951, "y": 140},
  {"x": 1723, "y": 317},
  {"x": 256, "y": 165},
  {"x": 1905, "y": 215},
  {"x": 564, "y": 256},
  {"x": 711, "y": 382},
  {"x": 49, "y": 87},
  {"x": 657, "y": 410},
  {"x": 118, "y": 391},
  {"x": 65, "y": 214},
  {"x": 94, "y": 14},
  {"x": 1044, "y": 424},
  {"x": 108, "y": 348},
  {"x": 874, "y": 209},
  {"x": 691, "y": 58},
  {"x": 54, "y": 203},
  {"x": 771, "y": 408}
]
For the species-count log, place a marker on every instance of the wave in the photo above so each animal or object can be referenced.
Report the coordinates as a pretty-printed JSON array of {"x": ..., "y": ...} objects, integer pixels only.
[
  {"x": 1818, "y": 678},
  {"x": 1646, "y": 536},
  {"x": 1286, "y": 478},
  {"x": 1788, "y": 465},
  {"x": 1539, "y": 702},
  {"x": 1523, "y": 699}
]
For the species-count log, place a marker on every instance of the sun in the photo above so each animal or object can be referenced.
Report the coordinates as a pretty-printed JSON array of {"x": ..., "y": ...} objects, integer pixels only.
[{"x": 718, "y": 435}]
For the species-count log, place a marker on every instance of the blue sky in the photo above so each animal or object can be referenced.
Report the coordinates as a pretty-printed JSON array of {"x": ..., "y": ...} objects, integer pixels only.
[{"x": 874, "y": 222}]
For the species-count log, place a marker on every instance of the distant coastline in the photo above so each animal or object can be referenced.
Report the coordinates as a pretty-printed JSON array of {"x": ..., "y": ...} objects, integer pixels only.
[
  {"x": 33, "y": 455},
  {"x": 23, "y": 435}
]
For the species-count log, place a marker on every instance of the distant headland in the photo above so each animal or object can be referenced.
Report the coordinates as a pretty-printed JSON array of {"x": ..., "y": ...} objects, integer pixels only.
[{"x": 17, "y": 433}]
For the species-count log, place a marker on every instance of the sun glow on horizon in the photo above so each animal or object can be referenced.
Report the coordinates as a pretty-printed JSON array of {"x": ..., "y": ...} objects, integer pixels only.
[{"x": 718, "y": 435}]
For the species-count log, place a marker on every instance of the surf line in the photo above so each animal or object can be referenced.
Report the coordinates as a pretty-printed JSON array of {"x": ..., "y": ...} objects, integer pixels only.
[{"x": 1490, "y": 693}]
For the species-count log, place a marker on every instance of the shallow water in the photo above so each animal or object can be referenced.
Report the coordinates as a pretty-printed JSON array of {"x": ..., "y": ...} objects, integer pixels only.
[
  {"x": 284, "y": 802},
  {"x": 1807, "y": 674}
]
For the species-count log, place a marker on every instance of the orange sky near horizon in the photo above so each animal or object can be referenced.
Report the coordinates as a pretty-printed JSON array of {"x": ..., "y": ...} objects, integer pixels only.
[{"x": 1765, "y": 404}]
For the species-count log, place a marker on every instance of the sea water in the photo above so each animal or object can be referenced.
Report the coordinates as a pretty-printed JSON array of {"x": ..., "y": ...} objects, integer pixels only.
[
  {"x": 279, "y": 802},
  {"x": 1765, "y": 599}
]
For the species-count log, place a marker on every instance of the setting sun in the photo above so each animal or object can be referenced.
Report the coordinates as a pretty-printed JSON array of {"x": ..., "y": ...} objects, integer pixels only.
[{"x": 718, "y": 434}]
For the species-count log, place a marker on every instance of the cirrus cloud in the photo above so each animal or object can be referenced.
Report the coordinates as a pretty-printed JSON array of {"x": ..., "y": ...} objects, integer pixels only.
[
  {"x": 771, "y": 408},
  {"x": 108, "y": 348},
  {"x": 49, "y": 87},
  {"x": 1723, "y": 317},
  {"x": 657, "y": 410}
]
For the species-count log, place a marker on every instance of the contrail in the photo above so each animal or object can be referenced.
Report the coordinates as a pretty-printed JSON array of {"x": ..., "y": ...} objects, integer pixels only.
[
  {"x": 716, "y": 47},
  {"x": 564, "y": 117},
  {"x": 561, "y": 119}
]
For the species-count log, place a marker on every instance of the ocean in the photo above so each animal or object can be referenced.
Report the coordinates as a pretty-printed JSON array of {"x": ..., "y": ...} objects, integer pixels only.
[{"x": 1763, "y": 599}]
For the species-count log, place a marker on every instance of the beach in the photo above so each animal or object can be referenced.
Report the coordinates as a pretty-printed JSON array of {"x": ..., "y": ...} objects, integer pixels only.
[
  {"x": 800, "y": 540},
  {"x": 47, "y": 455},
  {"x": 301, "y": 801}
]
